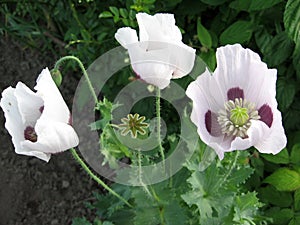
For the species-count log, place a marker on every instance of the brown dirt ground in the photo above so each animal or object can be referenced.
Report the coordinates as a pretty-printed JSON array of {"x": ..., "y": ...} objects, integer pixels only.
[{"x": 33, "y": 192}]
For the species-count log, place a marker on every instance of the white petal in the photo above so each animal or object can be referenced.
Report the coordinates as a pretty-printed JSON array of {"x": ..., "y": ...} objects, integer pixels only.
[
  {"x": 257, "y": 131},
  {"x": 126, "y": 36},
  {"x": 55, "y": 107},
  {"x": 160, "y": 27},
  {"x": 53, "y": 137},
  {"x": 36, "y": 153},
  {"x": 29, "y": 104},
  {"x": 13, "y": 124},
  {"x": 203, "y": 101},
  {"x": 183, "y": 59},
  {"x": 152, "y": 66},
  {"x": 276, "y": 140},
  {"x": 243, "y": 68}
]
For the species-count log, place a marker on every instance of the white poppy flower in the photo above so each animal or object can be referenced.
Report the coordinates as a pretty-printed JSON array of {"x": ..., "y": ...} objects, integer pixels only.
[
  {"x": 159, "y": 54},
  {"x": 235, "y": 107},
  {"x": 39, "y": 122}
]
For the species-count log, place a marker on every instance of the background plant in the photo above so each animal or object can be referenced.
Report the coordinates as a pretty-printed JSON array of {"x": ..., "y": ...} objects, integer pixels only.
[{"x": 271, "y": 28}]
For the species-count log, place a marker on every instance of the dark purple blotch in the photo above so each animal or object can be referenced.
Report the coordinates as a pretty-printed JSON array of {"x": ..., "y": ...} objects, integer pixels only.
[
  {"x": 234, "y": 93},
  {"x": 266, "y": 114}
]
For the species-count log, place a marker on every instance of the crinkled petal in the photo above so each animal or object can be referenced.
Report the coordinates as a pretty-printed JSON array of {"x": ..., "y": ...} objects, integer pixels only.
[
  {"x": 276, "y": 140},
  {"x": 126, "y": 36},
  {"x": 243, "y": 68},
  {"x": 256, "y": 132},
  {"x": 160, "y": 27},
  {"x": 183, "y": 58},
  {"x": 154, "y": 66},
  {"x": 53, "y": 137},
  {"x": 14, "y": 123},
  {"x": 206, "y": 87},
  {"x": 55, "y": 108},
  {"x": 204, "y": 101},
  {"x": 36, "y": 153},
  {"x": 29, "y": 104}
]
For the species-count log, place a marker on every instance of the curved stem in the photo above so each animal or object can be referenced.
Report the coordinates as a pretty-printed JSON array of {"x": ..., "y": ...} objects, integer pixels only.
[
  {"x": 70, "y": 57},
  {"x": 73, "y": 151},
  {"x": 95, "y": 178},
  {"x": 161, "y": 149}
]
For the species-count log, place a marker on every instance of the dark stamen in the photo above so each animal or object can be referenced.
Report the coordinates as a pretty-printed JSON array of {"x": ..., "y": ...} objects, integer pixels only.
[
  {"x": 41, "y": 109},
  {"x": 30, "y": 134}
]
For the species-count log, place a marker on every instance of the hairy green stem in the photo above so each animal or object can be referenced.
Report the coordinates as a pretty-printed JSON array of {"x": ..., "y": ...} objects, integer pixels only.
[
  {"x": 95, "y": 178},
  {"x": 70, "y": 57},
  {"x": 73, "y": 151},
  {"x": 161, "y": 149},
  {"x": 140, "y": 174}
]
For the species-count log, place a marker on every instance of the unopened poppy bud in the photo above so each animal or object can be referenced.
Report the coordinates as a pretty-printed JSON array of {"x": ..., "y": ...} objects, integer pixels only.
[{"x": 56, "y": 76}]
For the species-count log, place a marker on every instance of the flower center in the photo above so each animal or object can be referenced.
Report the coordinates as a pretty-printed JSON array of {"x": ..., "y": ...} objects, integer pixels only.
[
  {"x": 30, "y": 134},
  {"x": 239, "y": 116},
  {"x": 235, "y": 120}
]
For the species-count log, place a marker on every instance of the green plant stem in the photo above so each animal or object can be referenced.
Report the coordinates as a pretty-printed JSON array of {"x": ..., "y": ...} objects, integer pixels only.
[
  {"x": 140, "y": 174},
  {"x": 73, "y": 151},
  {"x": 97, "y": 179},
  {"x": 161, "y": 150},
  {"x": 65, "y": 58}
]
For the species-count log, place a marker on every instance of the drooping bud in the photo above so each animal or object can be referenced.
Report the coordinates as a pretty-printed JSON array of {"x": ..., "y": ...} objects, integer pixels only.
[{"x": 56, "y": 76}]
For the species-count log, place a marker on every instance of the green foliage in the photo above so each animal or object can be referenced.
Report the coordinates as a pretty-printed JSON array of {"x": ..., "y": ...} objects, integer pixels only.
[
  {"x": 221, "y": 183},
  {"x": 284, "y": 179},
  {"x": 238, "y": 32},
  {"x": 270, "y": 27},
  {"x": 292, "y": 20}
]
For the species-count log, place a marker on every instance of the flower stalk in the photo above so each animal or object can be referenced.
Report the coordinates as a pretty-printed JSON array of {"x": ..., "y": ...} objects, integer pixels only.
[
  {"x": 97, "y": 179},
  {"x": 161, "y": 149},
  {"x": 70, "y": 57},
  {"x": 73, "y": 151}
]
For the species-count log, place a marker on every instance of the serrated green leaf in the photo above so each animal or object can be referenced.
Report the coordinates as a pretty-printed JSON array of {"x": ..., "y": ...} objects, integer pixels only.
[
  {"x": 280, "y": 216},
  {"x": 105, "y": 14},
  {"x": 107, "y": 223},
  {"x": 245, "y": 208},
  {"x": 239, "y": 175},
  {"x": 269, "y": 194},
  {"x": 263, "y": 39},
  {"x": 296, "y": 60},
  {"x": 297, "y": 200},
  {"x": 203, "y": 35},
  {"x": 238, "y": 32},
  {"x": 213, "y": 2},
  {"x": 174, "y": 214},
  {"x": 124, "y": 13},
  {"x": 241, "y": 5},
  {"x": 260, "y": 5},
  {"x": 284, "y": 179},
  {"x": 291, "y": 20},
  {"x": 285, "y": 93},
  {"x": 80, "y": 221},
  {"x": 209, "y": 58},
  {"x": 295, "y": 154},
  {"x": 279, "y": 49},
  {"x": 295, "y": 221},
  {"x": 280, "y": 158},
  {"x": 114, "y": 10}
]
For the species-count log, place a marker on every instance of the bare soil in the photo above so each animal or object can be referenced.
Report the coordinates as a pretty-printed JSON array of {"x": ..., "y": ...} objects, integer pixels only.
[{"x": 33, "y": 192}]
